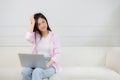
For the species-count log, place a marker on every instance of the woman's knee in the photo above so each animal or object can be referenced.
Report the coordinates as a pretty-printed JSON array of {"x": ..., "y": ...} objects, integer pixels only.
[
  {"x": 49, "y": 72},
  {"x": 27, "y": 71},
  {"x": 37, "y": 71}
]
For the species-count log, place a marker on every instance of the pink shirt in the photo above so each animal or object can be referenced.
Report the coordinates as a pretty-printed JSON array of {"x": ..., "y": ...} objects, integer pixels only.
[{"x": 55, "y": 49}]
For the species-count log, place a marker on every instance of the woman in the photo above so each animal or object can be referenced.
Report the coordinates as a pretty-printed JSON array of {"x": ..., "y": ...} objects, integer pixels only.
[{"x": 44, "y": 42}]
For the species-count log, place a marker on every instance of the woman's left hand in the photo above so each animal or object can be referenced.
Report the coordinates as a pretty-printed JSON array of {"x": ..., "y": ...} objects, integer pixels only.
[
  {"x": 47, "y": 65},
  {"x": 50, "y": 63}
]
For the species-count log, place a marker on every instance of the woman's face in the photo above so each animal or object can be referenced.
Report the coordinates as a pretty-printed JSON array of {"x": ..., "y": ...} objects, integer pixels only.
[{"x": 42, "y": 24}]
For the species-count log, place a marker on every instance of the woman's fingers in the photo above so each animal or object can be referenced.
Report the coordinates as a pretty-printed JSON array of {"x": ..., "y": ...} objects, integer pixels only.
[{"x": 32, "y": 20}]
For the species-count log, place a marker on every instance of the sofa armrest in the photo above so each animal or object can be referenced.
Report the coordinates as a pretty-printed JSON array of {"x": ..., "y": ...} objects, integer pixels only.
[{"x": 113, "y": 59}]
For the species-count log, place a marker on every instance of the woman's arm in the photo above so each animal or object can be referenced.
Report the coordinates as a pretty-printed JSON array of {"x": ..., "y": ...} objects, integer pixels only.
[
  {"x": 57, "y": 51},
  {"x": 30, "y": 35}
]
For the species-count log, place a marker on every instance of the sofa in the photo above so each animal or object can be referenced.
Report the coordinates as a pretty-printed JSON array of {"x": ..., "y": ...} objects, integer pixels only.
[{"x": 78, "y": 63}]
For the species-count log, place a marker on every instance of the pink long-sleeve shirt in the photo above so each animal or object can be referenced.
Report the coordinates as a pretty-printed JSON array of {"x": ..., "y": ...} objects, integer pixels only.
[{"x": 55, "y": 49}]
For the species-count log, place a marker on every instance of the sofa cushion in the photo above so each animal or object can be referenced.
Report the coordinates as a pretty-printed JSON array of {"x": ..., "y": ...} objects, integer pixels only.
[
  {"x": 11, "y": 73},
  {"x": 83, "y": 56},
  {"x": 68, "y": 73},
  {"x": 77, "y": 73}
]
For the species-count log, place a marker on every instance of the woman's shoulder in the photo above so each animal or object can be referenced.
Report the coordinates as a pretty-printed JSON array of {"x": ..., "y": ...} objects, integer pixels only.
[{"x": 54, "y": 35}]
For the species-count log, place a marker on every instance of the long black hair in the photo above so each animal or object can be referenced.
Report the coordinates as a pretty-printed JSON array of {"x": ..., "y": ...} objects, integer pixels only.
[{"x": 36, "y": 17}]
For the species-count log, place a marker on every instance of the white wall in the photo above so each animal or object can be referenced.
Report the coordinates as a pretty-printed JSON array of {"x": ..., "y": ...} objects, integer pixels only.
[{"x": 77, "y": 22}]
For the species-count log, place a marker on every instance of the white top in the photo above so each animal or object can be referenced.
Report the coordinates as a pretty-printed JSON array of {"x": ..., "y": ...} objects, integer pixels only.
[{"x": 44, "y": 46}]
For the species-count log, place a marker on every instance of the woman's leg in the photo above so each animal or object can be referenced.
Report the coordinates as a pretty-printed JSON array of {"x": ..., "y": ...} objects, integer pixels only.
[
  {"x": 27, "y": 73},
  {"x": 39, "y": 73}
]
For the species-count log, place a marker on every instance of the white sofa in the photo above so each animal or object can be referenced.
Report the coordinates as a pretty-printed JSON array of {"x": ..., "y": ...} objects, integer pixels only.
[{"x": 79, "y": 63}]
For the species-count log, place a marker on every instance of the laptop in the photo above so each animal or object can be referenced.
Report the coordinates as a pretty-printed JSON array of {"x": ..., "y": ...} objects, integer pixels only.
[{"x": 32, "y": 60}]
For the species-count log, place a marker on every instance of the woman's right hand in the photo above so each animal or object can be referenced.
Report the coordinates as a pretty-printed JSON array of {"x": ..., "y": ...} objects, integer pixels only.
[
  {"x": 32, "y": 20},
  {"x": 32, "y": 24}
]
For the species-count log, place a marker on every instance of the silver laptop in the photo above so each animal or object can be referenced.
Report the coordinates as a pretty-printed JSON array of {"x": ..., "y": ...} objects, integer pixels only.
[{"x": 32, "y": 60}]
